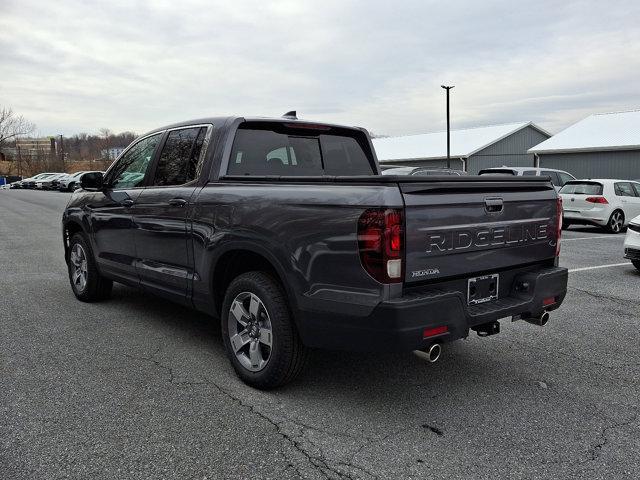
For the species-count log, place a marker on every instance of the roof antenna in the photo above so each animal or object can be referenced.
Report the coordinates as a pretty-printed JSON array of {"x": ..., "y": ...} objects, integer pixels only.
[{"x": 291, "y": 115}]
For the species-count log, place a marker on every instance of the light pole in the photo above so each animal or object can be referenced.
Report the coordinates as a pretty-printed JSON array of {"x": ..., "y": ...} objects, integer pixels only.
[{"x": 447, "y": 88}]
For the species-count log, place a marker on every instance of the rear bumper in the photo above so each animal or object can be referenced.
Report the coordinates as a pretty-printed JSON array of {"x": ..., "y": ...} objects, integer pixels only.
[
  {"x": 587, "y": 217},
  {"x": 398, "y": 325}
]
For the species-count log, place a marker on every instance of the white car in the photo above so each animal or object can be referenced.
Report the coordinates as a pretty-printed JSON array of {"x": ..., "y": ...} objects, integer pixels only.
[
  {"x": 632, "y": 242},
  {"x": 71, "y": 181},
  {"x": 558, "y": 177},
  {"x": 603, "y": 202},
  {"x": 46, "y": 183}
]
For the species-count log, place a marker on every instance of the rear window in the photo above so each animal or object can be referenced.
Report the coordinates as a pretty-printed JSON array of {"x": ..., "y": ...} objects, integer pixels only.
[
  {"x": 295, "y": 150},
  {"x": 582, "y": 188}
]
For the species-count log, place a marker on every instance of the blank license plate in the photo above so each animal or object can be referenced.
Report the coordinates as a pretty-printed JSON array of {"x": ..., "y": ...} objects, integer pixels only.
[{"x": 482, "y": 289}]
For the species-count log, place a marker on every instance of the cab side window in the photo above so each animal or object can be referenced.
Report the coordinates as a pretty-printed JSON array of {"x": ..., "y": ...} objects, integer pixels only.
[
  {"x": 132, "y": 167},
  {"x": 181, "y": 159}
]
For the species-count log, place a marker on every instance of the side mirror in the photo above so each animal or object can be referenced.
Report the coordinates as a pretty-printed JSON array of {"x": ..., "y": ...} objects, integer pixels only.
[{"x": 93, "y": 181}]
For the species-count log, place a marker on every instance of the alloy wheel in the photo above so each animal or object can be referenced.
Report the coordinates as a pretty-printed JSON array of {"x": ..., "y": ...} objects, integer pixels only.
[
  {"x": 616, "y": 222},
  {"x": 79, "y": 270},
  {"x": 250, "y": 332}
]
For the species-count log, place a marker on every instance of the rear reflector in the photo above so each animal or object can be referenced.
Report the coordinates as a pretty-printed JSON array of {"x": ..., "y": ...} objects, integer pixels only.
[
  {"x": 596, "y": 200},
  {"x": 432, "y": 332},
  {"x": 549, "y": 301}
]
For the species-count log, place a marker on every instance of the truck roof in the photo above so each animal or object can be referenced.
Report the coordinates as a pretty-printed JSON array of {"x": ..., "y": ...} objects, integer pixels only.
[{"x": 219, "y": 122}]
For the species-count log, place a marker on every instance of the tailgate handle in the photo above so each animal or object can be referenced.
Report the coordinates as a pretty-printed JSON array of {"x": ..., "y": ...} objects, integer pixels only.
[{"x": 493, "y": 205}]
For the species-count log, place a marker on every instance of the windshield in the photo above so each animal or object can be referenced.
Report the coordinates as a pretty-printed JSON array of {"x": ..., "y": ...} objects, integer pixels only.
[{"x": 582, "y": 188}]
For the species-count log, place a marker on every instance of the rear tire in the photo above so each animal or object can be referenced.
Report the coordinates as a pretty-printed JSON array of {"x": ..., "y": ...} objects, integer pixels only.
[
  {"x": 565, "y": 225},
  {"x": 259, "y": 334},
  {"x": 86, "y": 282},
  {"x": 616, "y": 222},
  {"x": 636, "y": 263}
]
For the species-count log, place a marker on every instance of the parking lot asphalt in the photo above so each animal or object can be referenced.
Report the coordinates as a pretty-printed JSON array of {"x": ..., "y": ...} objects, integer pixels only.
[{"x": 136, "y": 387}]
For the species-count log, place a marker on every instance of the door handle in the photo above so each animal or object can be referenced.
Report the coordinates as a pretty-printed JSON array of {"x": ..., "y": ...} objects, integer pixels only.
[
  {"x": 127, "y": 203},
  {"x": 177, "y": 202}
]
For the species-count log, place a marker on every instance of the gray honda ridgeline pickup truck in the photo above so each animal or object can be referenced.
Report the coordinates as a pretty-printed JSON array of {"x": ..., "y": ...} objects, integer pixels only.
[{"x": 287, "y": 232}]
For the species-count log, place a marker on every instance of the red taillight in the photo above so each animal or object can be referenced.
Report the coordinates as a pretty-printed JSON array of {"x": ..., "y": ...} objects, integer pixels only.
[
  {"x": 558, "y": 225},
  {"x": 380, "y": 243},
  {"x": 432, "y": 332},
  {"x": 596, "y": 200},
  {"x": 548, "y": 301}
]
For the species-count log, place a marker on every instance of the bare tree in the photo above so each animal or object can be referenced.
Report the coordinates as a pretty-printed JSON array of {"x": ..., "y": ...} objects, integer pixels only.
[{"x": 13, "y": 126}]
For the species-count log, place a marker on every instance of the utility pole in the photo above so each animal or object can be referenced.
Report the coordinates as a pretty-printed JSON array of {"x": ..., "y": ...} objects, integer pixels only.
[
  {"x": 19, "y": 160},
  {"x": 61, "y": 153},
  {"x": 447, "y": 88}
]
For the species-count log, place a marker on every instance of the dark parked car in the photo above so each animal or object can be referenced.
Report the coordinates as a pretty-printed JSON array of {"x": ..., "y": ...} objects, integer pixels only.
[{"x": 286, "y": 231}]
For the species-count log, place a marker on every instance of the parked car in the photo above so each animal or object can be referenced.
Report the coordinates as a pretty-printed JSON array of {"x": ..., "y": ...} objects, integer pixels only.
[
  {"x": 72, "y": 181},
  {"x": 558, "y": 177},
  {"x": 286, "y": 231},
  {"x": 31, "y": 181},
  {"x": 421, "y": 171},
  {"x": 603, "y": 202},
  {"x": 632, "y": 242},
  {"x": 47, "y": 183},
  {"x": 55, "y": 183}
]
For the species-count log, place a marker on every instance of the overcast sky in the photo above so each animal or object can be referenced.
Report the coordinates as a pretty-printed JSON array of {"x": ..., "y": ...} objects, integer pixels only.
[{"x": 73, "y": 66}]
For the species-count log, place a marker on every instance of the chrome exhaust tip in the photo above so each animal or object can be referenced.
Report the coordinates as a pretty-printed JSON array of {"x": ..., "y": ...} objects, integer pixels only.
[
  {"x": 431, "y": 354},
  {"x": 434, "y": 352},
  {"x": 540, "y": 321}
]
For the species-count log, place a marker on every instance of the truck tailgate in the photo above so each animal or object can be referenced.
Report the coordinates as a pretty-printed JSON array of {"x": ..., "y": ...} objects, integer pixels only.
[{"x": 462, "y": 228}]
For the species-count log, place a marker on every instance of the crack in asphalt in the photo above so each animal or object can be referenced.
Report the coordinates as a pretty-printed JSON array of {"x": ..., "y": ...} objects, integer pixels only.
[
  {"x": 435, "y": 430},
  {"x": 596, "y": 449},
  {"x": 319, "y": 462},
  {"x": 611, "y": 298},
  {"x": 576, "y": 357},
  {"x": 151, "y": 359}
]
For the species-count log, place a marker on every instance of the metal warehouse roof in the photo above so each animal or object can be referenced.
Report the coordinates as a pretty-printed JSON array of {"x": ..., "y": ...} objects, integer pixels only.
[
  {"x": 464, "y": 143},
  {"x": 601, "y": 131}
]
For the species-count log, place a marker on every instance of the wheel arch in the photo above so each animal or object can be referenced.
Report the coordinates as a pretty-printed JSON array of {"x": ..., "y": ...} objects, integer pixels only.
[
  {"x": 69, "y": 229},
  {"x": 241, "y": 258}
]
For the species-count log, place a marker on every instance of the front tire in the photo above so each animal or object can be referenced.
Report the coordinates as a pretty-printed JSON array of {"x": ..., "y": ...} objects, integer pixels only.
[
  {"x": 565, "y": 225},
  {"x": 259, "y": 334},
  {"x": 616, "y": 222},
  {"x": 86, "y": 282},
  {"x": 636, "y": 263}
]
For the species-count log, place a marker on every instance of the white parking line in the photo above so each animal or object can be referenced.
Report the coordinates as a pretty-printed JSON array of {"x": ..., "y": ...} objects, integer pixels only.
[
  {"x": 598, "y": 266},
  {"x": 589, "y": 238}
]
